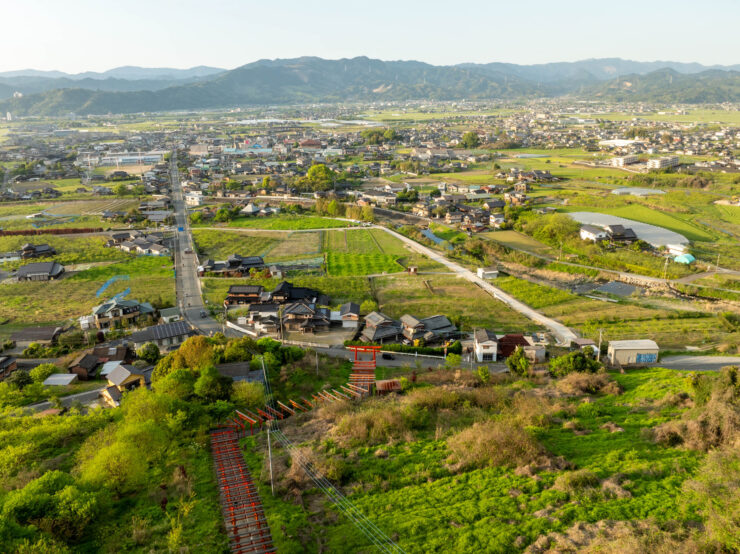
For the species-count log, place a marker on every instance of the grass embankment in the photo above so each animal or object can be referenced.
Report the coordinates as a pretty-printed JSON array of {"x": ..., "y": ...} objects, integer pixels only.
[{"x": 492, "y": 469}]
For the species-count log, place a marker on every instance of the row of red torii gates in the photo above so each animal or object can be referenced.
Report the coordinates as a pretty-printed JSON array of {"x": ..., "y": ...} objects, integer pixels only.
[{"x": 361, "y": 383}]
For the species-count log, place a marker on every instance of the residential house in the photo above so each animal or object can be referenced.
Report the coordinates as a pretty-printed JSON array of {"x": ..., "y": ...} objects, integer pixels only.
[
  {"x": 111, "y": 396},
  {"x": 40, "y": 271},
  {"x": 8, "y": 365},
  {"x": 508, "y": 343},
  {"x": 593, "y": 233},
  {"x": 168, "y": 315},
  {"x": 45, "y": 336},
  {"x": 620, "y": 233},
  {"x": 380, "y": 328},
  {"x": 349, "y": 313},
  {"x": 29, "y": 250},
  {"x": 305, "y": 317},
  {"x": 486, "y": 345},
  {"x": 84, "y": 366},
  {"x": 126, "y": 378},
  {"x": 165, "y": 336},
  {"x": 244, "y": 294},
  {"x": 287, "y": 292},
  {"x": 117, "y": 311}
]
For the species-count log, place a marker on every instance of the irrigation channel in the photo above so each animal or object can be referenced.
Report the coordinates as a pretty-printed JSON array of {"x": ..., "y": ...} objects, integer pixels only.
[{"x": 244, "y": 517}]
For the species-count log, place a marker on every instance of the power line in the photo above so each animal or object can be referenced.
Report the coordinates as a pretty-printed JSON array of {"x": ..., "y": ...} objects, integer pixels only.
[{"x": 352, "y": 512}]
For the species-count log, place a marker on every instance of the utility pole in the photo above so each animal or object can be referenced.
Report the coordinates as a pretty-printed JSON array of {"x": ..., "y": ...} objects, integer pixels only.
[
  {"x": 598, "y": 353},
  {"x": 665, "y": 269},
  {"x": 317, "y": 362},
  {"x": 717, "y": 265},
  {"x": 269, "y": 455}
]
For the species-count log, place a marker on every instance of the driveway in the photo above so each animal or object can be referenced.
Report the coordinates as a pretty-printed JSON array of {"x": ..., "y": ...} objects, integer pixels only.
[{"x": 699, "y": 363}]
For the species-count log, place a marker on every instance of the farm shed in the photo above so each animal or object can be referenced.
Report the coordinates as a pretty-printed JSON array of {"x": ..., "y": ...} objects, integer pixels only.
[{"x": 632, "y": 352}]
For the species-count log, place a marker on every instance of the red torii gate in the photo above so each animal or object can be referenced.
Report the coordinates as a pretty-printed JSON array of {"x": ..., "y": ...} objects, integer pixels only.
[{"x": 363, "y": 371}]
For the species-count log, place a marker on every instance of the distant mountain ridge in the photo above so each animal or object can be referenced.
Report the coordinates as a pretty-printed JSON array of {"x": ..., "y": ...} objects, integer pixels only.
[
  {"x": 129, "y": 72},
  {"x": 312, "y": 79}
]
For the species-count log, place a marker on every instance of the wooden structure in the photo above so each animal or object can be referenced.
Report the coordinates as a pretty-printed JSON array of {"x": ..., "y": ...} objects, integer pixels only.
[
  {"x": 363, "y": 371},
  {"x": 244, "y": 517}
]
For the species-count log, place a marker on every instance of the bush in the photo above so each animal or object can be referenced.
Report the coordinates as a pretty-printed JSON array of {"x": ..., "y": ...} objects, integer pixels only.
[
  {"x": 588, "y": 383},
  {"x": 40, "y": 373},
  {"x": 577, "y": 361},
  {"x": 518, "y": 362},
  {"x": 149, "y": 352},
  {"x": 248, "y": 395},
  {"x": 576, "y": 481},
  {"x": 19, "y": 379},
  {"x": 493, "y": 443}
]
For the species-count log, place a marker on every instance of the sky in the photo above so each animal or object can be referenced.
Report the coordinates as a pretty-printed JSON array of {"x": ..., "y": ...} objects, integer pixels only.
[{"x": 95, "y": 35}]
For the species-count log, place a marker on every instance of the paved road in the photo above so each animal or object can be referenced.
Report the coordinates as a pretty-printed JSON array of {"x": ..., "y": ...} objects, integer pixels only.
[
  {"x": 187, "y": 283},
  {"x": 81, "y": 397},
  {"x": 698, "y": 363},
  {"x": 563, "y": 334}
]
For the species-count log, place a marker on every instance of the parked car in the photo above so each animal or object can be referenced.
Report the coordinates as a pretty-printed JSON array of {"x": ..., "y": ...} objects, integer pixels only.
[
  {"x": 387, "y": 356},
  {"x": 203, "y": 314}
]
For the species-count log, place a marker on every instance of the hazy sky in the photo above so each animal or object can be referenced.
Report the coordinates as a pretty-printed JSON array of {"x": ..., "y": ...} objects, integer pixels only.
[{"x": 90, "y": 35}]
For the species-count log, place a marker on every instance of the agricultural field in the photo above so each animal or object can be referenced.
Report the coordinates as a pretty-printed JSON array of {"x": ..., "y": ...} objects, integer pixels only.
[
  {"x": 490, "y": 469},
  {"x": 462, "y": 302},
  {"x": 70, "y": 249},
  {"x": 338, "y": 263},
  {"x": 219, "y": 245},
  {"x": 533, "y": 295},
  {"x": 518, "y": 241},
  {"x": 296, "y": 246},
  {"x": 287, "y": 223},
  {"x": 150, "y": 280}
]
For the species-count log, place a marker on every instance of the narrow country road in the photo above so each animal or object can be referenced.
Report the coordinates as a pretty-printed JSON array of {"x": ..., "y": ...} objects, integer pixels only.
[
  {"x": 698, "y": 363},
  {"x": 189, "y": 295},
  {"x": 563, "y": 334}
]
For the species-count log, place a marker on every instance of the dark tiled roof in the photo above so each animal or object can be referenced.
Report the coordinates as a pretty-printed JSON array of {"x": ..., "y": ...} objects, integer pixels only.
[{"x": 165, "y": 331}]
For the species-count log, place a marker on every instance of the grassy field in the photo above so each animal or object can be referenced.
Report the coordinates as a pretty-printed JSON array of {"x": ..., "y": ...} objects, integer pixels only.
[
  {"x": 295, "y": 246},
  {"x": 405, "y": 480},
  {"x": 219, "y": 245},
  {"x": 461, "y": 301},
  {"x": 518, "y": 241},
  {"x": 288, "y": 223},
  {"x": 150, "y": 280},
  {"x": 70, "y": 249},
  {"x": 534, "y": 295},
  {"x": 339, "y": 263}
]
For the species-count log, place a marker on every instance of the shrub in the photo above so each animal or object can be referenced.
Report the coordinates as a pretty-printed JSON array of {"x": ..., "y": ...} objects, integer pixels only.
[
  {"x": 484, "y": 374},
  {"x": 248, "y": 395},
  {"x": 518, "y": 362},
  {"x": 40, "y": 373},
  {"x": 576, "y": 481},
  {"x": 493, "y": 443},
  {"x": 149, "y": 352},
  {"x": 577, "y": 361},
  {"x": 588, "y": 383}
]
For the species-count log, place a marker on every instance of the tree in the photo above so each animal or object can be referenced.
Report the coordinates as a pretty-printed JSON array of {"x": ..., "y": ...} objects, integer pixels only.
[
  {"x": 266, "y": 182},
  {"x": 470, "y": 140},
  {"x": 239, "y": 350},
  {"x": 452, "y": 361},
  {"x": 318, "y": 177},
  {"x": 368, "y": 306},
  {"x": 248, "y": 395},
  {"x": 484, "y": 374},
  {"x": 41, "y": 372},
  {"x": 178, "y": 384},
  {"x": 576, "y": 361},
  {"x": 333, "y": 208},
  {"x": 211, "y": 386},
  {"x": 149, "y": 352},
  {"x": 120, "y": 189},
  {"x": 19, "y": 378},
  {"x": 518, "y": 362},
  {"x": 368, "y": 213}
]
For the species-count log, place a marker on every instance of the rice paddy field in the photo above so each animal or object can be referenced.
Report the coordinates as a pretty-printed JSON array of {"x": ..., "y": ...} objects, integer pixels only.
[
  {"x": 518, "y": 241},
  {"x": 287, "y": 223}
]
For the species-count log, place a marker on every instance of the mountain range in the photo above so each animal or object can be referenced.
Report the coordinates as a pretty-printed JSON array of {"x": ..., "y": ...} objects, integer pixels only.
[{"x": 311, "y": 79}]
